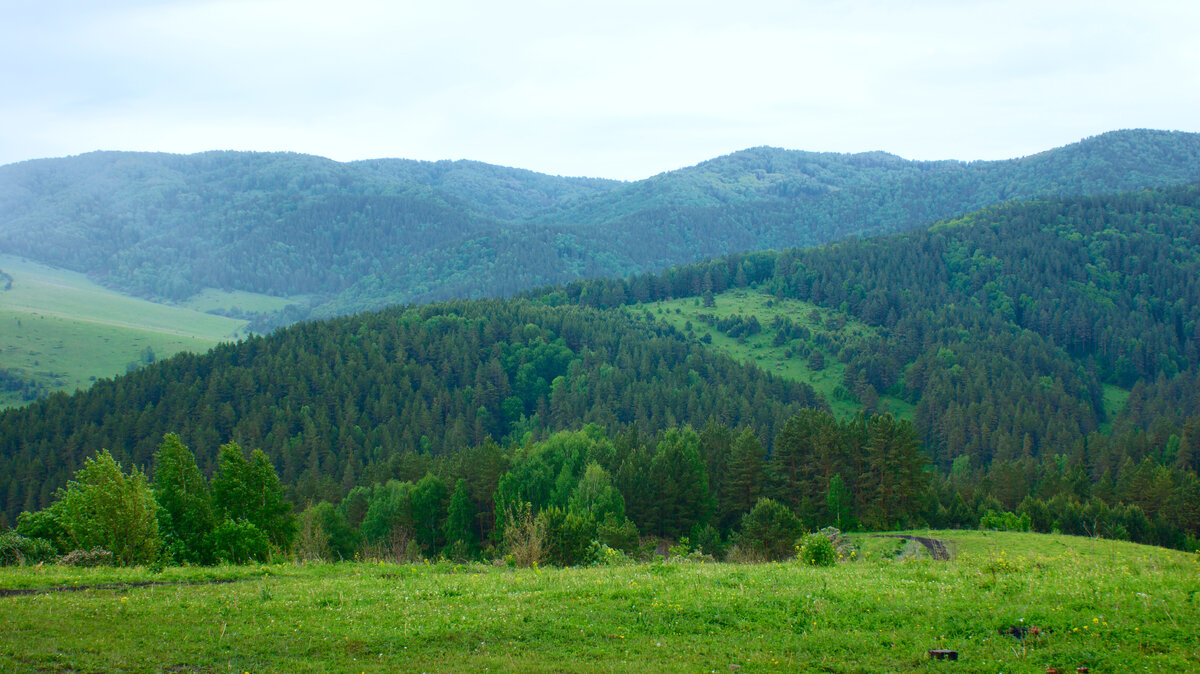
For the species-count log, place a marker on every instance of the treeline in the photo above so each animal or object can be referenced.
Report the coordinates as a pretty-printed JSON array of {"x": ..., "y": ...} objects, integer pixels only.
[
  {"x": 335, "y": 404},
  {"x": 579, "y": 497},
  {"x": 105, "y": 516}
]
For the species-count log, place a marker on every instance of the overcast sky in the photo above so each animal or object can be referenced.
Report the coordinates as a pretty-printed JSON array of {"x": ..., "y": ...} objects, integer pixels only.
[{"x": 612, "y": 89}]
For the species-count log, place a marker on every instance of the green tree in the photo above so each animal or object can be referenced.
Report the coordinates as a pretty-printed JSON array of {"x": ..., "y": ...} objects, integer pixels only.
[
  {"x": 744, "y": 477},
  {"x": 185, "y": 515},
  {"x": 596, "y": 497},
  {"x": 460, "y": 520},
  {"x": 429, "y": 512},
  {"x": 678, "y": 484},
  {"x": 249, "y": 490},
  {"x": 103, "y": 507},
  {"x": 770, "y": 529},
  {"x": 839, "y": 503}
]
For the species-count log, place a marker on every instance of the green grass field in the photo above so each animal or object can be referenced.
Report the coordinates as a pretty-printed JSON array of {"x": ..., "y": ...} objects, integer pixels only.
[
  {"x": 1110, "y": 606},
  {"x": 211, "y": 299},
  {"x": 758, "y": 349},
  {"x": 63, "y": 330}
]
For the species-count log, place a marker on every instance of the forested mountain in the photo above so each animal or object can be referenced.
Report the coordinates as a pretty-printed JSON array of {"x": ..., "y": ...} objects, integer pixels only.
[
  {"x": 342, "y": 402},
  {"x": 366, "y": 234},
  {"x": 1007, "y": 329}
]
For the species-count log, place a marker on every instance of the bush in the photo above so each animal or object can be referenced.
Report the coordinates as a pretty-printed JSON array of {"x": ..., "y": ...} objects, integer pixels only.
[
  {"x": 105, "y": 508},
  {"x": 568, "y": 536},
  {"x": 770, "y": 529},
  {"x": 1003, "y": 521},
  {"x": 240, "y": 542},
  {"x": 524, "y": 537},
  {"x": 817, "y": 550},
  {"x": 16, "y": 549},
  {"x": 707, "y": 539},
  {"x": 93, "y": 557},
  {"x": 619, "y": 535}
]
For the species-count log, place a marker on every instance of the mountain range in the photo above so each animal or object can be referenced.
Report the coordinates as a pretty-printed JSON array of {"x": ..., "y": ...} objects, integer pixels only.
[{"x": 345, "y": 237}]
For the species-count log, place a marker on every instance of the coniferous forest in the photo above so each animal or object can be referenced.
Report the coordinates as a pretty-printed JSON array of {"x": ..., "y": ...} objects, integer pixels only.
[{"x": 573, "y": 416}]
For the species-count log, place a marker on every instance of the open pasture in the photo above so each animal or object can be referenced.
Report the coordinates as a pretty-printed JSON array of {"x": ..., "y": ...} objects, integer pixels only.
[
  {"x": 1110, "y": 606},
  {"x": 64, "y": 331}
]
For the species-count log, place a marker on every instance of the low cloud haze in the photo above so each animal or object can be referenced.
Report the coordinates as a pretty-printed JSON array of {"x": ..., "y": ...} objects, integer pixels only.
[{"x": 612, "y": 89}]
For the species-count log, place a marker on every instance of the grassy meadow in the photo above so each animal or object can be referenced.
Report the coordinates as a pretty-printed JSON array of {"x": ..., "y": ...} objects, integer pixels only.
[
  {"x": 759, "y": 350},
  {"x": 1111, "y": 606},
  {"x": 61, "y": 329}
]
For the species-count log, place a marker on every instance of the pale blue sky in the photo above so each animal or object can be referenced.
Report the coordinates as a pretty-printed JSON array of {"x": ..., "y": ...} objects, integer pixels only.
[{"x": 619, "y": 89}]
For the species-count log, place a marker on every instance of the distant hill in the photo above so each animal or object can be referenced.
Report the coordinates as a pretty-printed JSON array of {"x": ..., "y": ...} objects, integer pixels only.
[
  {"x": 1047, "y": 352},
  {"x": 361, "y": 235}
]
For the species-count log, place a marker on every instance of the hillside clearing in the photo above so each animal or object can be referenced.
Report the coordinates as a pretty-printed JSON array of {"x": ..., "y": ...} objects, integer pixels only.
[{"x": 63, "y": 331}]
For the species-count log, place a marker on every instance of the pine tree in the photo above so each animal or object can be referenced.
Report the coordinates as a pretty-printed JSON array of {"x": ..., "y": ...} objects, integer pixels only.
[{"x": 460, "y": 520}]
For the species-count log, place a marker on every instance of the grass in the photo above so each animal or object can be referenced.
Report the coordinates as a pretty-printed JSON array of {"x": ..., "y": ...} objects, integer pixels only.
[
  {"x": 1111, "y": 606},
  {"x": 63, "y": 330},
  {"x": 211, "y": 299},
  {"x": 759, "y": 350},
  {"x": 1114, "y": 402}
]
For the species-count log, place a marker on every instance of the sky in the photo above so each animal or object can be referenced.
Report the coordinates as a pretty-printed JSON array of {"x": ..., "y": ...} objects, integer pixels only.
[{"x": 615, "y": 89}]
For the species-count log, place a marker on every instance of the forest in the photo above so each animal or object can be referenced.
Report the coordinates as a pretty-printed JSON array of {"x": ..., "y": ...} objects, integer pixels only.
[
  {"x": 363, "y": 235},
  {"x": 1008, "y": 329}
]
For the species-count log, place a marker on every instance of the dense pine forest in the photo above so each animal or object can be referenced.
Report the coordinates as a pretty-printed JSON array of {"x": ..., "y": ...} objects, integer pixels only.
[
  {"x": 348, "y": 237},
  {"x": 1013, "y": 331}
]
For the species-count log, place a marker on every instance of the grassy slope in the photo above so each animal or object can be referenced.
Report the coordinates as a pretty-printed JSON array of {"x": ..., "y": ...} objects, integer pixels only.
[
  {"x": 64, "y": 330},
  {"x": 1112, "y": 606},
  {"x": 211, "y": 299},
  {"x": 758, "y": 349}
]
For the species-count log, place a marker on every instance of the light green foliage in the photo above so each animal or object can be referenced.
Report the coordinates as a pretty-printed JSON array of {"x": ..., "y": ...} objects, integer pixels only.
[
  {"x": 389, "y": 511},
  {"x": 770, "y": 351},
  {"x": 185, "y": 516},
  {"x": 839, "y": 504},
  {"x": 817, "y": 550},
  {"x": 248, "y": 491},
  {"x": 569, "y": 536},
  {"x": 105, "y": 508},
  {"x": 1004, "y": 521},
  {"x": 596, "y": 497},
  {"x": 240, "y": 541},
  {"x": 769, "y": 530},
  {"x": 429, "y": 512}
]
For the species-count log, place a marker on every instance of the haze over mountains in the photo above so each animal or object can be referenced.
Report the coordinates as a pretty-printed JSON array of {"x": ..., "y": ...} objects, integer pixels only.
[{"x": 344, "y": 237}]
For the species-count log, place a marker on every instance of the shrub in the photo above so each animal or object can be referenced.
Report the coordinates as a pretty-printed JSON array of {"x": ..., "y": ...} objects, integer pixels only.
[
  {"x": 707, "y": 539},
  {"x": 16, "y": 549},
  {"x": 817, "y": 550},
  {"x": 12, "y": 548},
  {"x": 842, "y": 545},
  {"x": 93, "y": 557},
  {"x": 568, "y": 536},
  {"x": 524, "y": 536},
  {"x": 240, "y": 542},
  {"x": 1003, "y": 521},
  {"x": 770, "y": 529},
  {"x": 619, "y": 535},
  {"x": 105, "y": 508}
]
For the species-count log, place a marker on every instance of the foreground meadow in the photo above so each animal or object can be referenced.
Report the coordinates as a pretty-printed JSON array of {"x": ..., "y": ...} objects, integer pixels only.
[{"x": 1106, "y": 605}]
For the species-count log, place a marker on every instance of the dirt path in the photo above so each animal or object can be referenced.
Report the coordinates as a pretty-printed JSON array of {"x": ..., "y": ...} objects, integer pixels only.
[
  {"x": 936, "y": 548},
  {"x": 5, "y": 592}
]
